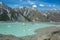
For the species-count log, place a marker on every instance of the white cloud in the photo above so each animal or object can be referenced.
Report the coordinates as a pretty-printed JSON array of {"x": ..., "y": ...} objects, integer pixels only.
[
  {"x": 16, "y": 5},
  {"x": 50, "y": 5},
  {"x": 41, "y": 5},
  {"x": 54, "y": 5},
  {"x": 0, "y": 2},
  {"x": 34, "y": 6},
  {"x": 30, "y": 2}
]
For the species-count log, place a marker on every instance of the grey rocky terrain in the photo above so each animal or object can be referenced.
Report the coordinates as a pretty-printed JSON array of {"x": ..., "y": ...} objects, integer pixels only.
[{"x": 28, "y": 14}]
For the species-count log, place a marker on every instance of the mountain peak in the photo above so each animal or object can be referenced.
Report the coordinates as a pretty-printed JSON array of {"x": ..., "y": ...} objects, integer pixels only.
[
  {"x": 27, "y": 7},
  {"x": 54, "y": 9}
]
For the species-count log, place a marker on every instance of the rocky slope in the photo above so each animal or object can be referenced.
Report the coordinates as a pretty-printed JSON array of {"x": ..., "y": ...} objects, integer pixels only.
[
  {"x": 9, "y": 37},
  {"x": 48, "y": 33},
  {"x": 20, "y": 14},
  {"x": 28, "y": 14},
  {"x": 9, "y": 14},
  {"x": 52, "y": 15},
  {"x": 32, "y": 14}
]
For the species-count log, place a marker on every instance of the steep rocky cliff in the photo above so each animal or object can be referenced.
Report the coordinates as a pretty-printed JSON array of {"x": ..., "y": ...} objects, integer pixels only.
[
  {"x": 9, "y": 14},
  {"x": 28, "y": 14}
]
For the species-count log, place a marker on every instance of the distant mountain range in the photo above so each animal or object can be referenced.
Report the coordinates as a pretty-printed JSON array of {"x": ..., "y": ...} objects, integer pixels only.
[{"x": 28, "y": 14}]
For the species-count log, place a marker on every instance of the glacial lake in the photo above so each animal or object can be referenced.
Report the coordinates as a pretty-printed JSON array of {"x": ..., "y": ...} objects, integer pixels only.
[{"x": 20, "y": 29}]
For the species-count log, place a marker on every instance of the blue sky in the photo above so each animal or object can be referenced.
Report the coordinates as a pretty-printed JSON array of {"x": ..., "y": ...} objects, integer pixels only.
[{"x": 40, "y": 4}]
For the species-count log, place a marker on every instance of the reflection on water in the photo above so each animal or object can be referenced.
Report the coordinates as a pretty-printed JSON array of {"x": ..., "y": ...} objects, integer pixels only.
[{"x": 22, "y": 29}]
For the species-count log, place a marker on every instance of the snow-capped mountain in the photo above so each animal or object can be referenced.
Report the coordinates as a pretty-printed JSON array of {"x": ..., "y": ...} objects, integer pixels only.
[
  {"x": 9, "y": 14},
  {"x": 30, "y": 14}
]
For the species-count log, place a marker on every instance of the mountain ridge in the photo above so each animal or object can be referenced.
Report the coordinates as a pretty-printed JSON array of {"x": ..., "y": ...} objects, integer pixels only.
[{"x": 28, "y": 14}]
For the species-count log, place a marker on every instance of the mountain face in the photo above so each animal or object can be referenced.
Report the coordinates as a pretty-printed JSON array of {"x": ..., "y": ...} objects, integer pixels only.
[
  {"x": 28, "y": 14},
  {"x": 52, "y": 15},
  {"x": 9, "y": 14},
  {"x": 32, "y": 14}
]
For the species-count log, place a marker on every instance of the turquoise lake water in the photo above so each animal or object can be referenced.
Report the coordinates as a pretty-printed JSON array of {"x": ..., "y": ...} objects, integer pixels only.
[{"x": 22, "y": 29}]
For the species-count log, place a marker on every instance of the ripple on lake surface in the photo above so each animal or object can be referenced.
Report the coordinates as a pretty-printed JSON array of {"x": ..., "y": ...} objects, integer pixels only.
[{"x": 22, "y": 29}]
